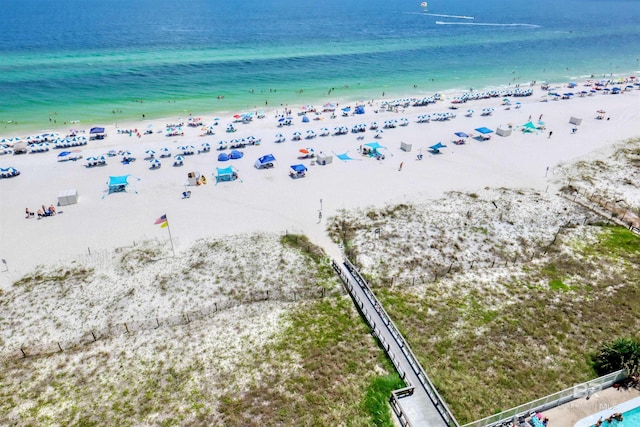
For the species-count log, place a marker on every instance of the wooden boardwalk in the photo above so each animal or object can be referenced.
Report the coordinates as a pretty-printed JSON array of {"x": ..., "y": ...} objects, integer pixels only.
[{"x": 419, "y": 404}]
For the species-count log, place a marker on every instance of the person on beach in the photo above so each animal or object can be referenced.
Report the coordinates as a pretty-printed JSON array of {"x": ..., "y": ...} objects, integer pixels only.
[
  {"x": 401, "y": 164},
  {"x": 28, "y": 212},
  {"x": 550, "y": 133}
]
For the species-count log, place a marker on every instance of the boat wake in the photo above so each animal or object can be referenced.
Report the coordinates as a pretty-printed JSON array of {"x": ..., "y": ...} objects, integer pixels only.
[
  {"x": 488, "y": 24},
  {"x": 449, "y": 16}
]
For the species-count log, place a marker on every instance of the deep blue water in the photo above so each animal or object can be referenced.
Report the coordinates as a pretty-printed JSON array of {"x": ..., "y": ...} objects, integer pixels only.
[{"x": 85, "y": 59}]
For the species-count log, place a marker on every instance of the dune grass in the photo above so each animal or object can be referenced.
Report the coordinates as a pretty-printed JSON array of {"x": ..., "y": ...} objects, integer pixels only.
[
  {"x": 308, "y": 362},
  {"x": 493, "y": 338},
  {"x": 341, "y": 374},
  {"x": 491, "y": 346}
]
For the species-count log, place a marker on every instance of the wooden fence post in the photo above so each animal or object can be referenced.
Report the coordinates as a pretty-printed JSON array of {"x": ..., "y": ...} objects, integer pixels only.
[
  {"x": 23, "y": 353},
  {"x": 60, "y": 347},
  {"x": 127, "y": 328}
]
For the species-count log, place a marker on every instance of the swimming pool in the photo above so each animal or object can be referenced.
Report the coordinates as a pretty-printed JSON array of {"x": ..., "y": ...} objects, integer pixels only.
[{"x": 630, "y": 415}]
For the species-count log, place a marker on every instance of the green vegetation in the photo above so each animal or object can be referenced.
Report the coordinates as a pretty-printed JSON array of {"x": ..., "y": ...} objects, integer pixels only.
[
  {"x": 337, "y": 360},
  {"x": 491, "y": 344},
  {"x": 376, "y": 400},
  {"x": 62, "y": 276},
  {"x": 623, "y": 353},
  {"x": 310, "y": 362}
]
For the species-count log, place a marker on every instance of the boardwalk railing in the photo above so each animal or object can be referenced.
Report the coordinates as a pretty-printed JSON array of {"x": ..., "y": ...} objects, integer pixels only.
[
  {"x": 552, "y": 400},
  {"x": 425, "y": 382}
]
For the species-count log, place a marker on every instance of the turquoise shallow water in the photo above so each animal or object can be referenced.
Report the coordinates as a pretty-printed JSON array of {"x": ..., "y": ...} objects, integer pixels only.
[{"x": 85, "y": 59}]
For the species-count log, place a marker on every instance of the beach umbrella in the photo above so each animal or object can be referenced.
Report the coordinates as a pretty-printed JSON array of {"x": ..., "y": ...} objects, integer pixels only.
[
  {"x": 126, "y": 153},
  {"x": 324, "y": 131},
  {"x": 297, "y": 135},
  {"x": 178, "y": 158},
  {"x": 206, "y": 145},
  {"x": 311, "y": 134},
  {"x": 150, "y": 153},
  {"x": 64, "y": 153},
  {"x": 304, "y": 151}
]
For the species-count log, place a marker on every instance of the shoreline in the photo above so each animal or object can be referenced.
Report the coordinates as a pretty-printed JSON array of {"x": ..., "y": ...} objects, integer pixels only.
[
  {"x": 129, "y": 119},
  {"x": 270, "y": 201}
]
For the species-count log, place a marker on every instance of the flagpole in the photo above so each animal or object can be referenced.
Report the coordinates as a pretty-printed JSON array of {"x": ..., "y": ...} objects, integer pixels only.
[{"x": 170, "y": 238}]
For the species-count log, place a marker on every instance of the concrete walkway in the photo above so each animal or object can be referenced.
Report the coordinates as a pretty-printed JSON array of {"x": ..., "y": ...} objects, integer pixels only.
[{"x": 419, "y": 404}]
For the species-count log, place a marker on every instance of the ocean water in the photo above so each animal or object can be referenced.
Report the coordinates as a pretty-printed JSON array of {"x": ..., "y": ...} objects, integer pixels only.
[{"x": 101, "y": 62}]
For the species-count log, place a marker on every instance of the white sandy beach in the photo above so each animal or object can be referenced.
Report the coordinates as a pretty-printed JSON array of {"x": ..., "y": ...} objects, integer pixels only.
[{"x": 269, "y": 200}]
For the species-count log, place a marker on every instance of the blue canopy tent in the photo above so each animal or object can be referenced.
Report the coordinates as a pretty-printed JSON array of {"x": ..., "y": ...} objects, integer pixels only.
[
  {"x": 484, "y": 133},
  {"x": 226, "y": 174},
  {"x": 223, "y": 157},
  {"x": 435, "y": 149},
  {"x": 374, "y": 145},
  {"x": 461, "y": 138},
  {"x": 235, "y": 154},
  {"x": 305, "y": 119},
  {"x": 96, "y": 133},
  {"x": 265, "y": 161},
  {"x": 484, "y": 130},
  {"x": 359, "y": 109},
  {"x": 298, "y": 171},
  {"x": 119, "y": 184},
  {"x": 372, "y": 149}
]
